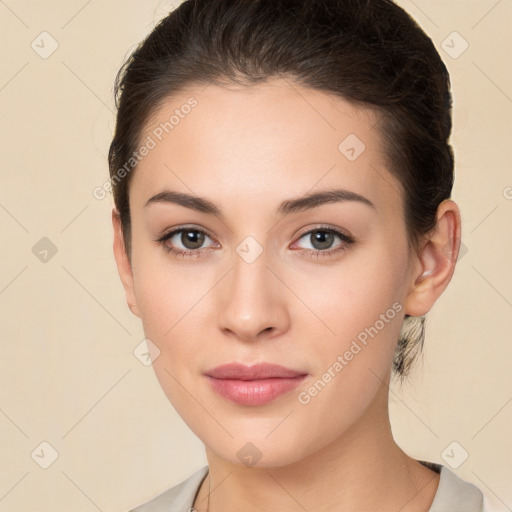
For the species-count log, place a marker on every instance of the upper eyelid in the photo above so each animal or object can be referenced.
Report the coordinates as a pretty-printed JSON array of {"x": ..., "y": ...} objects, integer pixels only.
[
  {"x": 325, "y": 227},
  {"x": 173, "y": 231}
]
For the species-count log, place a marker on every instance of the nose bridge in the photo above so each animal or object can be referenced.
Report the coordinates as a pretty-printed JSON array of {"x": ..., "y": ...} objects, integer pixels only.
[{"x": 250, "y": 273}]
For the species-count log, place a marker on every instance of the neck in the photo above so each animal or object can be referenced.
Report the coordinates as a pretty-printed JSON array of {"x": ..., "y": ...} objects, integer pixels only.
[{"x": 362, "y": 469}]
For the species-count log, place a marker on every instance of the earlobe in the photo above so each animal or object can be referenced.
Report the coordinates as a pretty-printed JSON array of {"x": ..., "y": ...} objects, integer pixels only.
[
  {"x": 123, "y": 263},
  {"x": 437, "y": 260}
]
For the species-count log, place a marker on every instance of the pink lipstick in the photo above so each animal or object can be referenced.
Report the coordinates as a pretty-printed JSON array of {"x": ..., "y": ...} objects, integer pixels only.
[{"x": 254, "y": 385}]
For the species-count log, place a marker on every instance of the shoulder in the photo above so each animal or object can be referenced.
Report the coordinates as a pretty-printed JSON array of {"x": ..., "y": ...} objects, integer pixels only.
[
  {"x": 454, "y": 493},
  {"x": 179, "y": 498}
]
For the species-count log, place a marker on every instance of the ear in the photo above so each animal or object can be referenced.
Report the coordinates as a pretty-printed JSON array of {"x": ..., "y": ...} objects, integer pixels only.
[
  {"x": 123, "y": 263},
  {"x": 436, "y": 261}
]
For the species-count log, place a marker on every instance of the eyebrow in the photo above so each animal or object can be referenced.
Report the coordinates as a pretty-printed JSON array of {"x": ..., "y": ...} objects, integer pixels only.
[{"x": 287, "y": 207}]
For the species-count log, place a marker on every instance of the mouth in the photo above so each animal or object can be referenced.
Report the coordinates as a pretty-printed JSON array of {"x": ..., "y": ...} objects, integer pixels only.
[{"x": 253, "y": 385}]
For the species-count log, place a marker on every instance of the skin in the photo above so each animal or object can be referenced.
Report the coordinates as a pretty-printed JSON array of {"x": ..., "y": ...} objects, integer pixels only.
[{"x": 247, "y": 149}]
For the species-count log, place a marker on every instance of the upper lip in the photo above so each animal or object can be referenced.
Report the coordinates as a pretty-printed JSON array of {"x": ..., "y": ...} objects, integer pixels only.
[{"x": 257, "y": 371}]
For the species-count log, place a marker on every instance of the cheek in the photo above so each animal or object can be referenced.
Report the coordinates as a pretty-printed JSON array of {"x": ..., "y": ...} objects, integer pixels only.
[
  {"x": 350, "y": 360},
  {"x": 161, "y": 289},
  {"x": 170, "y": 307},
  {"x": 173, "y": 301},
  {"x": 355, "y": 307},
  {"x": 171, "y": 312}
]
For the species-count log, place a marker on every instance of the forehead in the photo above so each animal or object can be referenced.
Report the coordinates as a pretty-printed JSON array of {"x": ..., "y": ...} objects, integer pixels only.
[{"x": 271, "y": 140}]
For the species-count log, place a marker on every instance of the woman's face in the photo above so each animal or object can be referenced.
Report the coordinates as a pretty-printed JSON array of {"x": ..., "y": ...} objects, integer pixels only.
[{"x": 261, "y": 285}]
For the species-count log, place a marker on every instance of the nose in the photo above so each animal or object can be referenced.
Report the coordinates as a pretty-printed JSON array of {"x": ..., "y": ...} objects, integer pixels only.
[{"x": 251, "y": 301}]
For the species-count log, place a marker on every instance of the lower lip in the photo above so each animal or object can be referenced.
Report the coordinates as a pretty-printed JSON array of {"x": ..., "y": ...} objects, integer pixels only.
[{"x": 254, "y": 392}]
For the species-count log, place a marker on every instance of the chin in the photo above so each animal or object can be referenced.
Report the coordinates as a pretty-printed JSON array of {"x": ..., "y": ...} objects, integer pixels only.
[{"x": 255, "y": 447}]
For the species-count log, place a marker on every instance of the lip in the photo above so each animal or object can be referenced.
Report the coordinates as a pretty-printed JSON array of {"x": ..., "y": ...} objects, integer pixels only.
[
  {"x": 254, "y": 385},
  {"x": 257, "y": 371}
]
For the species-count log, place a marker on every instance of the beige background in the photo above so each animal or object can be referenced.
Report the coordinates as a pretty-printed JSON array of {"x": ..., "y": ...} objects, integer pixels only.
[{"x": 68, "y": 373}]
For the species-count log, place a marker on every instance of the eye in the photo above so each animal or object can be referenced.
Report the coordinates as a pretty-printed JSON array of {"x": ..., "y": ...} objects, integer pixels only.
[
  {"x": 189, "y": 241},
  {"x": 322, "y": 241},
  {"x": 185, "y": 241}
]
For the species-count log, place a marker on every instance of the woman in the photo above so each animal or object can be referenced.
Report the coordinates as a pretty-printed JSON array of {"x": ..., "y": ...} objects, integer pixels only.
[{"x": 283, "y": 222}]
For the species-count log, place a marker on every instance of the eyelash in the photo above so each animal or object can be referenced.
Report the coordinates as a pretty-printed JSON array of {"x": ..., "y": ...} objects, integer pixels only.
[{"x": 312, "y": 253}]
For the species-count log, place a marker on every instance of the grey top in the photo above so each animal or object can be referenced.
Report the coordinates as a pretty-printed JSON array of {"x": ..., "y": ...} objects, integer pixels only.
[{"x": 453, "y": 494}]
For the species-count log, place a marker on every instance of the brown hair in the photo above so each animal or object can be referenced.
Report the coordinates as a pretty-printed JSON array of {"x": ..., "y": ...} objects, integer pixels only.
[{"x": 370, "y": 52}]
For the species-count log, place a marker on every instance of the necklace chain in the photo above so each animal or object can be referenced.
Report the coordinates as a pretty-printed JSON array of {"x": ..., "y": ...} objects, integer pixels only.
[{"x": 209, "y": 483}]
